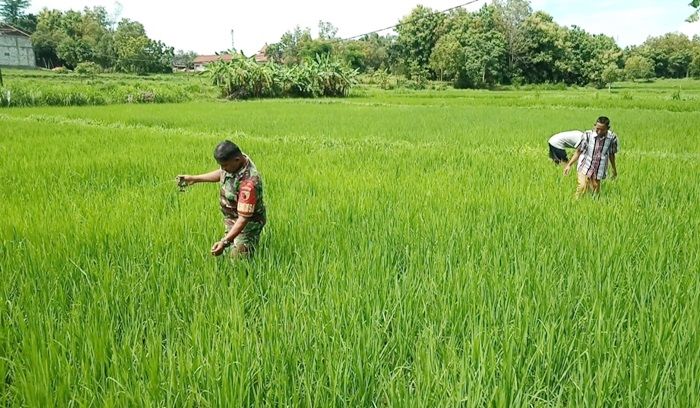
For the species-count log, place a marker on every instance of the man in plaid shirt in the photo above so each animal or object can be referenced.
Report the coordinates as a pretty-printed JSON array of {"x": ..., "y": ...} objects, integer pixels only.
[{"x": 597, "y": 148}]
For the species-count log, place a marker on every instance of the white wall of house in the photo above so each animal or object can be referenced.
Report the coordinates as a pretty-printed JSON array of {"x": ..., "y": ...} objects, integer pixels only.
[{"x": 16, "y": 51}]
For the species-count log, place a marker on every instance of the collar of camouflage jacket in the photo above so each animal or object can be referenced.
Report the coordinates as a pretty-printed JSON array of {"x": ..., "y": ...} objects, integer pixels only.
[{"x": 241, "y": 170}]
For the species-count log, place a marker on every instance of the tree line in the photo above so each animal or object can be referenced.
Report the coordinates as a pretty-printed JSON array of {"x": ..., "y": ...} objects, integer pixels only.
[
  {"x": 90, "y": 38},
  {"x": 504, "y": 42}
]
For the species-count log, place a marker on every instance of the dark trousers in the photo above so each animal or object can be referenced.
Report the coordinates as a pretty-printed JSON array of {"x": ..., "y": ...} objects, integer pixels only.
[{"x": 557, "y": 155}]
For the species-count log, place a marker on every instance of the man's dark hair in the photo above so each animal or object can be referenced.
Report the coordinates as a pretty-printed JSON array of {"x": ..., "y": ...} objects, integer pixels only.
[
  {"x": 226, "y": 151},
  {"x": 604, "y": 120}
]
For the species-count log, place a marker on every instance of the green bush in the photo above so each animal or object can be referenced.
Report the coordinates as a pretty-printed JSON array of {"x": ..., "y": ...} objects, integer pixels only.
[
  {"x": 243, "y": 78},
  {"x": 88, "y": 68}
]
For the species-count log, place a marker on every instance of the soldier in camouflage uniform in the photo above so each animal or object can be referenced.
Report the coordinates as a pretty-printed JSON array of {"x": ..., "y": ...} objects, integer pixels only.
[{"x": 241, "y": 199}]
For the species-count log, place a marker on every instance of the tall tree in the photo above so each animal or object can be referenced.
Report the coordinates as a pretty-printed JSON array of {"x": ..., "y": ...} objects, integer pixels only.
[
  {"x": 610, "y": 74},
  {"x": 73, "y": 51},
  {"x": 73, "y": 37},
  {"x": 447, "y": 57},
  {"x": 672, "y": 54},
  {"x": 354, "y": 53},
  {"x": 695, "y": 66},
  {"x": 695, "y": 63},
  {"x": 578, "y": 51},
  {"x": 545, "y": 49},
  {"x": 418, "y": 34},
  {"x": 11, "y": 11},
  {"x": 96, "y": 32},
  {"x": 308, "y": 50},
  {"x": 638, "y": 67},
  {"x": 130, "y": 44},
  {"x": 326, "y": 30},
  {"x": 472, "y": 52},
  {"x": 485, "y": 53},
  {"x": 27, "y": 23},
  {"x": 382, "y": 51},
  {"x": 48, "y": 35},
  {"x": 370, "y": 53},
  {"x": 606, "y": 56},
  {"x": 287, "y": 49},
  {"x": 510, "y": 19}
]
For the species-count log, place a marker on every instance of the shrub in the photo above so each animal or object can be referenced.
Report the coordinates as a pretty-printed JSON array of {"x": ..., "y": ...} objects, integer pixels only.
[
  {"x": 243, "y": 78},
  {"x": 88, "y": 68}
]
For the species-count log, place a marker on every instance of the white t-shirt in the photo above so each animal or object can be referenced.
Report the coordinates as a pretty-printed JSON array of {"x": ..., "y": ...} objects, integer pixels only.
[{"x": 566, "y": 139}]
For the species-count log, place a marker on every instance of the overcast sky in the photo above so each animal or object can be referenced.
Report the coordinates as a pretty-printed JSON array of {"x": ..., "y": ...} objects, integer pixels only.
[{"x": 205, "y": 26}]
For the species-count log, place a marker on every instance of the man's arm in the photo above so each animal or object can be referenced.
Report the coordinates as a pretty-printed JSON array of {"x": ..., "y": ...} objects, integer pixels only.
[
  {"x": 211, "y": 177},
  {"x": 573, "y": 160},
  {"x": 613, "y": 166},
  {"x": 218, "y": 247}
]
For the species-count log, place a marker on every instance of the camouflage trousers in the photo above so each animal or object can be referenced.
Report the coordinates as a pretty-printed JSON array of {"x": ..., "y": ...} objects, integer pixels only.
[{"x": 247, "y": 240}]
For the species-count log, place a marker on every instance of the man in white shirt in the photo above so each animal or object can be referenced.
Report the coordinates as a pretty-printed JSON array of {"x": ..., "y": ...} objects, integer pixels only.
[{"x": 560, "y": 141}]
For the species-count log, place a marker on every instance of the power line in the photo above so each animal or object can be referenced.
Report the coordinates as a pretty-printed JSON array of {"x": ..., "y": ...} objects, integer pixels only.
[
  {"x": 400, "y": 24},
  {"x": 114, "y": 60}
]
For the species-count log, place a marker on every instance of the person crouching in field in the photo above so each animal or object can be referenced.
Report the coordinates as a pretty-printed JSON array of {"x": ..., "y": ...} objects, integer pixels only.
[
  {"x": 241, "y": 199},
  {"x": 561, "y": 141},
  {"x": 597, "y": 148}
]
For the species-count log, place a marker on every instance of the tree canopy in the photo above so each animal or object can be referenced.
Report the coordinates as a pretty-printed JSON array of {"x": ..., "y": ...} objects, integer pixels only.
[
  {"x": 504, "y": 42},
  {"x": 69, "y": 38}
]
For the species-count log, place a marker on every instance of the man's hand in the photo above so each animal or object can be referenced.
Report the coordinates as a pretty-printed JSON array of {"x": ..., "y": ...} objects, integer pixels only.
[
  {"x": 567, "y": 169},
  {"x": 218, "y": 248},
  {"x": 184, "y": 180}
]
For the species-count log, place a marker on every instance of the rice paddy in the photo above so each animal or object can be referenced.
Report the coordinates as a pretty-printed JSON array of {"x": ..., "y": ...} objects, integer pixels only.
[{"x": 421, "y": 250}]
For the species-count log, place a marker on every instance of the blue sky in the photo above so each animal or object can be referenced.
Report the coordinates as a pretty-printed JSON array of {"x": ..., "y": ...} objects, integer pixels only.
[
  {"x": 205, "y": 26},
  {"x": 628, "y": 21}
]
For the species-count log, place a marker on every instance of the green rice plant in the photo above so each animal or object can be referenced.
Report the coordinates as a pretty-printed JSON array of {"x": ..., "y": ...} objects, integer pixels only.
[
  {"x": 421, "y": 250},
  {"x": 47, "y": 89}
]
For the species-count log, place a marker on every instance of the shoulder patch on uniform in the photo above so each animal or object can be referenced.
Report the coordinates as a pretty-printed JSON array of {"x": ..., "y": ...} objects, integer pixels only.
[{"x": 246, "y": 198}]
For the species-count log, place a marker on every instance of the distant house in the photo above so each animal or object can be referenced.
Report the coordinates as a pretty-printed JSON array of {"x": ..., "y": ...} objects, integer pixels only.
[
  {"x": 201, "y": 61},
  {"x": 261, "y": 57},
  {"x": 15, "y": 47},
  {"x": 180, "y": 67}
]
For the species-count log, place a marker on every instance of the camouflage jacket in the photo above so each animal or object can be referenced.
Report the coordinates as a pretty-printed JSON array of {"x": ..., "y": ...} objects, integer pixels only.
[{"x": 242, "y": 194}]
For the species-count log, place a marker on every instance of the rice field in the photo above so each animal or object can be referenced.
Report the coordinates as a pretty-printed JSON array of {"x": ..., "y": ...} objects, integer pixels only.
[
  {"x": 25, "y": 88},
  {"x": 421, "y": 250}
]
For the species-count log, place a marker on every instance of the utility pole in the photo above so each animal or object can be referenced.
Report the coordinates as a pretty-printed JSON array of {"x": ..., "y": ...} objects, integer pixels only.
[{"x": 233, "y": 46}]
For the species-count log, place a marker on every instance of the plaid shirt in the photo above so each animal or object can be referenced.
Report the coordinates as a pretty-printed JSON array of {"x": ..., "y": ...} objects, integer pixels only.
[{"x": 595, "y": 153}]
